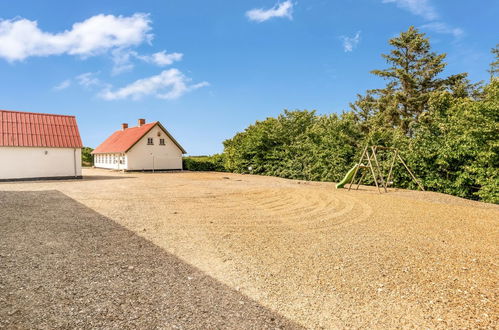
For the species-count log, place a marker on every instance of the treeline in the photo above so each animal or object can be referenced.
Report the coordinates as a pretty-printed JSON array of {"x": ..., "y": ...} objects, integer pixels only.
[{"x": 446, "y": 128}]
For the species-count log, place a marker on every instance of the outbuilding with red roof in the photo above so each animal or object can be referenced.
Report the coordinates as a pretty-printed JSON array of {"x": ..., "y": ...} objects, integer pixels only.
[
  {"x": 142, "y": 148},
  {"x": 38, "y": 146}
]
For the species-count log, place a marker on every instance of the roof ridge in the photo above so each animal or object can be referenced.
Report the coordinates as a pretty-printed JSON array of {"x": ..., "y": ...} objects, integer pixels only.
[
  {"x": 153, "y": 122},
  {"x": 123, "y": 140},
  {"x": 37, "y": 113}
]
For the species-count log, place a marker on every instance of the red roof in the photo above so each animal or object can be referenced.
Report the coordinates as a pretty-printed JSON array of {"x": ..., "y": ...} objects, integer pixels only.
[
  {"x": 123, "y": 140},
  {"x": 28, "y": 129}
]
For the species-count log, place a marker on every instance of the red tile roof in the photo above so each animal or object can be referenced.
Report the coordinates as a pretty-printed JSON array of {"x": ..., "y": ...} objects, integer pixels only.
[
  {"x": 28, "y": 129},
  {"x": 123, "y": 140}
]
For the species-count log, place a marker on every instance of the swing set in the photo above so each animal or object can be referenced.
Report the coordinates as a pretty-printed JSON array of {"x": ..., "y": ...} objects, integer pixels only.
[{"x": 369, "y": 163}]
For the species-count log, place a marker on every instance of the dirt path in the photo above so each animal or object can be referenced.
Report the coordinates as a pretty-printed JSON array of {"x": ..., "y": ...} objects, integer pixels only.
[{"x": 320, "y": 257}]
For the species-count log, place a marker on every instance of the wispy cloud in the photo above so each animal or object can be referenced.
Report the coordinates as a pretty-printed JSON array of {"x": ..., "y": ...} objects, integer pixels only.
[
  {"x": 63, "y": 85},
  {"x": 89, "y": 79},
  {"x": 123, "y": 59},
  {"x": 169, "y": 84},
  {"x": 350, "y": 43},
  {"x": 22, "y": 38},
  {"x": 424, "y": 9},
  {"x": 161, "y": 58},
  {"x": 443, "y": 28},
  {"x": 421, "y": 8},
  {"x": 284, "y": 9}
]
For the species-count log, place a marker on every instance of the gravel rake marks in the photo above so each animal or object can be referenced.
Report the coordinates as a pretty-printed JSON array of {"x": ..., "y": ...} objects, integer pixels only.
[{"x": 284, "y": 210}]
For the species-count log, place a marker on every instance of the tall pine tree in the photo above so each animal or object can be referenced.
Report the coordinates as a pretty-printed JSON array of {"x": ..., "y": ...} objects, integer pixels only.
[
  {"x": 412, "y": 77},
  {"x": 494, "y": 66}
]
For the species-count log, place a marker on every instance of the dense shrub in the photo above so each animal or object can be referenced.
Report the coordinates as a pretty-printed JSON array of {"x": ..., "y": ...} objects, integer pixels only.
[
  {"x": 204, "y": 163},
  {"x": 454, "y": 149},
  {"x": 296, "y": 145},
  {"x": 86, "y": 157}
]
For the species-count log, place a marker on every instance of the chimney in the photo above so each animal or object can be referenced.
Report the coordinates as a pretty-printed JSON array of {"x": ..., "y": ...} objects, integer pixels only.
[
  {"x": 124, "y": 126},
  {"x": 142, "y": 122}
]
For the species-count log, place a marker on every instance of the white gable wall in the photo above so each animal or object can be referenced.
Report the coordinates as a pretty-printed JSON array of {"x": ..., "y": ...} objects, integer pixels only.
[
  {"x": 159, "y": 157},
  {"x": 39, "y": 162}
]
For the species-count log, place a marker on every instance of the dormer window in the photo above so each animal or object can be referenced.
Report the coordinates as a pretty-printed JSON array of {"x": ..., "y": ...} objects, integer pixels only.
[
  {"x": 149, "y": 141},
  {"x": 161, "y": 142}
]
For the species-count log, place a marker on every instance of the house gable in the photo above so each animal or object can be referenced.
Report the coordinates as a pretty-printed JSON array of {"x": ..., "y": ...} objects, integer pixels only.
[
  {"x": 123, "y": 140},
  {"x": 149, "y": 153},
  {"x": 167, "y": 135}
]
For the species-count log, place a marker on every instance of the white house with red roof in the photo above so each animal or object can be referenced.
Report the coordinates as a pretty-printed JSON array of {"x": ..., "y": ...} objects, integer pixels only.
[
  {"x": 39, "y": 146},
  {"x": 146, "y": 147}
]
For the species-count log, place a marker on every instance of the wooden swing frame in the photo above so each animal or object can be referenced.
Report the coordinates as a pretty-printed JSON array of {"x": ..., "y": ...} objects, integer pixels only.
[{"x": 369, "y": 156}]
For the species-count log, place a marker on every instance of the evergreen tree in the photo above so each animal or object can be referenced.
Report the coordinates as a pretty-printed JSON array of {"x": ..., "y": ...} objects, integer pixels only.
[
  {"x": 412, "y": 77},
  {"x": 494, "y": 66}
]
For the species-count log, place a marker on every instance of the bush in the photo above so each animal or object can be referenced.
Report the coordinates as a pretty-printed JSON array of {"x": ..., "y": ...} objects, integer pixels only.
[
  {"x": 86, "y": 156},
  {"x": 204, "y": 163},
  {"x": 296, "y": 145},
  {"x": 454, "y": 148}
]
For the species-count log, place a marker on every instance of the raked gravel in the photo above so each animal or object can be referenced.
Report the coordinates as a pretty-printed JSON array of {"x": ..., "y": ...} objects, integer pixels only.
[{"x": 221, "y": 250}]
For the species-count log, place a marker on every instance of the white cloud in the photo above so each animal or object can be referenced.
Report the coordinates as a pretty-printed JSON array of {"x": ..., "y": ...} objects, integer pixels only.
[
  {"x": 284, "y": 9},
  {"x": 122, "y": 59},
  {"x": 421, "y": 8},
  {"x": 169, "y": 84},
  {"x": 88, "y": 79},
  {"x": 424, "y": 9},
  {"x": 349, "y": 43},
  {"x": 443, "y": 28},
  {"x": 161, "y": 58},
  {"x": 63, "y": 85},
  {"x": 22, "y": 38}
]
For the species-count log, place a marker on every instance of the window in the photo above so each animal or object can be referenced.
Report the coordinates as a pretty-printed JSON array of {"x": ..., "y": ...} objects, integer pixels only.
[
  {"x": 161, "y": 142},
  {"x": 149, "y": 141}
]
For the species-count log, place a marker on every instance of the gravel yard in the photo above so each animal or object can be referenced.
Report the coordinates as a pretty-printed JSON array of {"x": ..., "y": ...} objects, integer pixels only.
[{"x": 221, "y": 250}]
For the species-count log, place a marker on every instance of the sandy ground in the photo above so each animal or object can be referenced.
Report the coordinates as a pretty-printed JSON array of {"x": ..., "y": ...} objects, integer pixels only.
[{"x": 303, "y": 252}]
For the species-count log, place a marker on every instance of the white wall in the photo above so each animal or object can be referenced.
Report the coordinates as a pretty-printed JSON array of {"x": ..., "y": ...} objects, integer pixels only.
[
  {"x": 165, "y": 157},
  {"x": 35, "y": 162},
  {"x": 111, "y": 161}
]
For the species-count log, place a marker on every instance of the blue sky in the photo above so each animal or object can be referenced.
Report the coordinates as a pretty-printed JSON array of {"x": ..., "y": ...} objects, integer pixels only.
[{"x": 208, "y": 69}]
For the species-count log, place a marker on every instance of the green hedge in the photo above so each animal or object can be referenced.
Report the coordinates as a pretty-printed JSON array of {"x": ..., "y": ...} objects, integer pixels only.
[
  {"x": 204, "y": 163},
  {"x": 86, "y": 156}
]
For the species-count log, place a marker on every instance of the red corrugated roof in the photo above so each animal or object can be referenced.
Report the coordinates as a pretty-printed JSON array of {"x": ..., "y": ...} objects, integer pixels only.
[
  {"x": 121, "y": 141},
  {"x": 29, "y": 129}
]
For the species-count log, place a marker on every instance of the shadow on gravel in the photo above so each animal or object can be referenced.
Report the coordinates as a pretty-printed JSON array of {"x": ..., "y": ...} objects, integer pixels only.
[
  {"x": 63, "y": 265},
  {"x": 84, "y": 178},
  {"x": 105, "y": 177}
]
